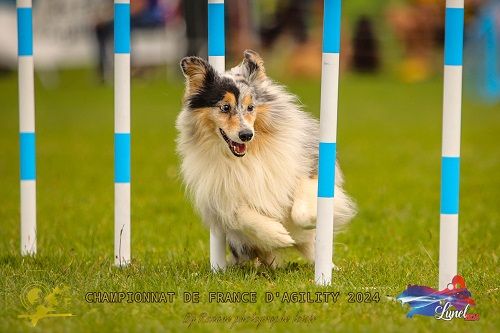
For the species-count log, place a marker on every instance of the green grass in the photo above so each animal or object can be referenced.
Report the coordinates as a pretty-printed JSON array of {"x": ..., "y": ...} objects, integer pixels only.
[{"x": 389, "y": 147}]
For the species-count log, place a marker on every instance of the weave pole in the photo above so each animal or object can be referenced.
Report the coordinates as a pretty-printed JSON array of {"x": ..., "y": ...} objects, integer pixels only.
[
  {"x": 122, "y": 131},
  {"x": 26, "y": 126},
  {"x": 328, "y": 142},
  {"x": 450, "y": 164},
  {"x": 216, "y": 58}
]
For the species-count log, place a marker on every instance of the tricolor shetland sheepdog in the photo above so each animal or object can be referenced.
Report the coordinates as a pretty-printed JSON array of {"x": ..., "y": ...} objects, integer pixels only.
[{"x": 250, "y": 160}]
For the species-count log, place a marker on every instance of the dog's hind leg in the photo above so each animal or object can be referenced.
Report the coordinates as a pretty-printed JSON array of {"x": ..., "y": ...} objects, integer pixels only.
[
  {"x": 307, "y": 250},
  {"x": 307, "y": 247},
  {"x": 305, "y": 203},
  {"x": 304, "y": 209},
  {"x": 265, "y": 233},
  {"x": 241, "y": 253},
  {"x": 305, "y": 242},
  {"x": 272, "y": 259}
]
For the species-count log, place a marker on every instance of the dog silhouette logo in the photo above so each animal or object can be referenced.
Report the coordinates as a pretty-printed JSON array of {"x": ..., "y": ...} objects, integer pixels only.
[{"x": 41, "y": 303}]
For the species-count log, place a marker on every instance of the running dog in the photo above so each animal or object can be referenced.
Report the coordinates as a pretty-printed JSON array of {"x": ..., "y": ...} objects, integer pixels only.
[{"x": 250, "y": 160}]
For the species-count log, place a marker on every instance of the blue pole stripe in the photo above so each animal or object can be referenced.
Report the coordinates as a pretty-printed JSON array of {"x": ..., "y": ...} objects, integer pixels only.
[
  {"x": 331, "y": 26},
  {"x": 216, "y": 44},
  {"x": 326, "y": 170},
  {"x": 122, "y": 158},
  {"x": 122, "y": 28},
  {"x": 450, "y": 184},
  {"x": 24, "y": 32},
  {"x": 454, "y": 40},
  {"x": 28, "y": 162}
]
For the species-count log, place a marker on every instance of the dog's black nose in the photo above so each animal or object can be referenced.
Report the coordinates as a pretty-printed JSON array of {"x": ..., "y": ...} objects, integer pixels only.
[{"x": 245, "y": 135}]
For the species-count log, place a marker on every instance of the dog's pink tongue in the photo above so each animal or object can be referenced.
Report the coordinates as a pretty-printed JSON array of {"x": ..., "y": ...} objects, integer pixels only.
[{"x": 240, "y": 148}]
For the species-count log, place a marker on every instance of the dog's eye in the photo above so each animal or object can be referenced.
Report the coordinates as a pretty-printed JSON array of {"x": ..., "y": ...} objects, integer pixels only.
[
  {"x": 250, "y": 108},
  {"x": 225, "y": 108}
]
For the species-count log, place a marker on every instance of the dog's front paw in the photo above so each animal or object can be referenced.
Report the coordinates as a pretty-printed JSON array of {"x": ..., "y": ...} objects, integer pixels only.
[
  {"x": 271, "y": 236},
  {"x": 280, "y": 236},
  {"x": 266, "y": 233},
  {"x": 305, "y": 203},
  {"x": 304, "y": 214}
]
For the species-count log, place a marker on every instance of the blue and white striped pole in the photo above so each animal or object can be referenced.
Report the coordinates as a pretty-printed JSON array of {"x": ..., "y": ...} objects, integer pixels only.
[
  {"x": 122, "y": 132},
  {"x": 450, "y": 168},
  {"x": 328, "y": 140},
  {"x": 26, "y": 127},
  {"x": 216, "y": 58}
]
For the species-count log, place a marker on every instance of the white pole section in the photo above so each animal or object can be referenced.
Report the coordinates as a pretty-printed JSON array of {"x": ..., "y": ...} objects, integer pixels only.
[
  {"x": 328, "y": 140},
  {"x": 26, "y": 127},
  {"x": 122, "y": 131},
  {"x": 216, "y": 58},
  {"x": 450, "y": 164}
]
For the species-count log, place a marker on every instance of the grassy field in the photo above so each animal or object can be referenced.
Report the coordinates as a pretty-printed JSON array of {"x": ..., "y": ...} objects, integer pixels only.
[{"x": 389, "y": 147}]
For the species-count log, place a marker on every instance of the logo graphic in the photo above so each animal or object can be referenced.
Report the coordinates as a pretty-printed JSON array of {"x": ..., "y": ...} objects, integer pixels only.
[
  {"x": 447, "y": 304},
  {"x": 40, "y": 303}
]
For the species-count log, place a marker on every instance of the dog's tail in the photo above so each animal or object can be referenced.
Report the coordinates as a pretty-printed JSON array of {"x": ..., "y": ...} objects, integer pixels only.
[{"x": 345, "y": 209}]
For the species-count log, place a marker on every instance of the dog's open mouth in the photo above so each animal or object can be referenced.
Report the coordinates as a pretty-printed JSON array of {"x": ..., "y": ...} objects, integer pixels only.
[{"x": 238, "y": 149}]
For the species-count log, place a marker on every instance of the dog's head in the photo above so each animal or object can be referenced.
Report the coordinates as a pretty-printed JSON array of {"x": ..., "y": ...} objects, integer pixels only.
[{"x": 227, "y": 103}]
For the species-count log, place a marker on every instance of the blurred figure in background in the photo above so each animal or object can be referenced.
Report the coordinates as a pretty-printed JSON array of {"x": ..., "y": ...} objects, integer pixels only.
[
  {"x": 419, "y": 26},
  {"x": 289, "y": 15},
  {"x": 365, "y": 57},
  {"x": 293, "y": 17},
  {"x": 148, "y": 14},
  {"x": 242, "y": 27},
  {"x": 196, "y": 16}
]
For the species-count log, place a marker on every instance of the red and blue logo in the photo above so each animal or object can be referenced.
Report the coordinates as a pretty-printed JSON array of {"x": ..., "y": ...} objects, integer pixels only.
[{"x": 447, "y": 304}]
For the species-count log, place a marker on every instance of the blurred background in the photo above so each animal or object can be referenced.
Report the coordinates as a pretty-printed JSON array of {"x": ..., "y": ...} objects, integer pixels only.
[
  {"x": 402, "y": 37},
  {"x": 389, "y": 147},
  {"x": 389, "y": 132}
]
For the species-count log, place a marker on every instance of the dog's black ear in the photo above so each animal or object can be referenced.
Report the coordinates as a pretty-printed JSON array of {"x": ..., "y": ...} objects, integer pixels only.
[
  {"x": 254, "y": 65},
  {"x": 198, "y": 73}
]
